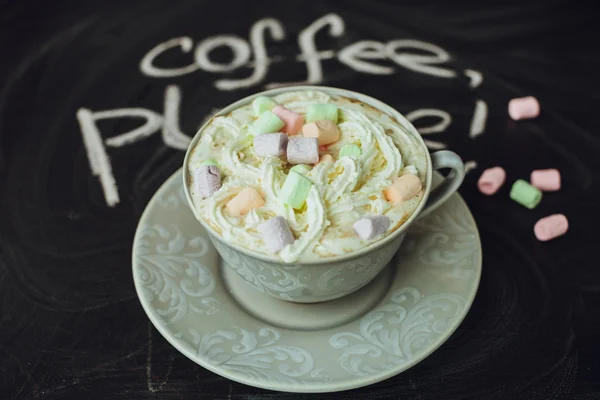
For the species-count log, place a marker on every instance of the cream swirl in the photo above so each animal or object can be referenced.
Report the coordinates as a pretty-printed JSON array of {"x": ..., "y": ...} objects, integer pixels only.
[{"x": 342, "y": 192}]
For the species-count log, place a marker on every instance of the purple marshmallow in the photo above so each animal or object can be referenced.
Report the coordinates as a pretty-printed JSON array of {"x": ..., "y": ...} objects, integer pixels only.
[
  {"x": 302, "y": 150},
  {"x": 276, "y": 233},
  {"x": 370, "y": 227},
  {"x": 207, "y": 180},
  {"x": 270, "y": 144}
]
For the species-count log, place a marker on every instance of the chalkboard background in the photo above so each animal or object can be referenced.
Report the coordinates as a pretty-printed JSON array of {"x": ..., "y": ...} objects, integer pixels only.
[{"x": 71, "y": 326}]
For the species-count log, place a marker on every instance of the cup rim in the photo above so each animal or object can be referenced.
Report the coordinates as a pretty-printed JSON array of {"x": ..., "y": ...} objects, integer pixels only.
[{"x": 373, "y": 102}]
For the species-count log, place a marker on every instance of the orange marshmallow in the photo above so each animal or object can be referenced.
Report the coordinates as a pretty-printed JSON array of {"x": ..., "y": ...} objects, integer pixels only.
[
  {"x": 325, "y": 158},
  {"x": 324, "y": 130},
  {"x": 403, "y": 188},
  {"x": 247, "y": 199}
]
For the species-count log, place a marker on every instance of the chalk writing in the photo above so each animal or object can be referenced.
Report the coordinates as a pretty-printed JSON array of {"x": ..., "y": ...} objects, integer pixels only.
[{"x": 364, "y": 56}]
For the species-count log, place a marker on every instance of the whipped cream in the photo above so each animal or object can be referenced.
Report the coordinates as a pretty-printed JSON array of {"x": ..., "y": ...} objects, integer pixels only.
[{"x": 342, "y": 192}]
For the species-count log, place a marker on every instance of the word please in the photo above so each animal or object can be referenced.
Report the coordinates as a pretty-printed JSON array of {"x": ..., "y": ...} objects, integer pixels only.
[
  {"x": 168, "y": 124},
  {"x": 414, "y": 55}
]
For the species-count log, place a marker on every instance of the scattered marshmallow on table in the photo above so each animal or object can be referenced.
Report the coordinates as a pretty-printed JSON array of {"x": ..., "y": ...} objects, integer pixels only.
[
  {"x": 207, "y": 180},
  {"x": 525, "y": 194},
  {"x": 551, "y": 227},
  {"x": 301, "y": 150},
  {"x": 547, "y": 180},
  {"x": 403, "y": 188},
  {"x": 523, "y": 108},
  {"x": 276, "y": 233},
  {"x": 270, "y": 144},
  {"x": 245, "y": 201},
  {"x": 262, "y": 104},
  {"x": 316, "y": 112},
  {"x": 371, "y": 227},
  {"x": 491, "y": 180},
  {"x": 292, "y": 121},
  {"x": 325, "y": 131},
  {"x": 268, "y": 122},
  {"x": 295, "y": 190}
]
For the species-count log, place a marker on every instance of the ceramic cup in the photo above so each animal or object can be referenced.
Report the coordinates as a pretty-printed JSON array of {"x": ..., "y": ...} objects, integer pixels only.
[{"x": 332, "y": 277}]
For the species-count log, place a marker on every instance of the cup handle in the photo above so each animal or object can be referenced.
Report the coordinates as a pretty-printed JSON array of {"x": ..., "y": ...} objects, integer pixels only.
[{"x": 444, "y": 159}]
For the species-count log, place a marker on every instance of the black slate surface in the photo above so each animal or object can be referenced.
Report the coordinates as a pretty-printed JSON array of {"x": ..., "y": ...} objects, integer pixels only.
[{"x": 71, "y": 326}]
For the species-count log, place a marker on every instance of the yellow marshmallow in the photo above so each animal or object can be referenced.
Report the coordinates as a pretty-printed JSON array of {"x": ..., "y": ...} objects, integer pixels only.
[
  {"x": 403, "y": 188},
  {"x": 324, "y": 130},
  {"x": 247, "y": 199}
]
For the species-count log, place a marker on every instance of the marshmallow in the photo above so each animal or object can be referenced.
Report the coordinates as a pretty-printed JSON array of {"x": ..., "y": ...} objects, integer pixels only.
[
  {"x": 525, "y": 194},
  {"x": 523, "y": 108},
  {"x": 403, "y": 188},
  {"x": 262, "y": 104},
  {"x": 295, "y": 190},
  {"x": 350, "y": 150},
  {"x": 551, "y": 227},
  {"x": 302, "y": 169},
  {"x": 315, "y": 112},
  {"x": 547, "y": 180},
  {"x": 370, "y": 227},
  {"x": 324, "y": 130},
  {"x": 207, "y": 180},
  {"x": 210, "y": 161},
  {"x": 292, "y": 121},
  {"x": 491, "y": 180},
  {"x": 268, "y": 122},
  {"x": 247, "y": 199},
  {"x": 301, "y": 150},
  {"x": 270, "y": 144},
  {"x": 276, "y": 233},
  {"x": 326, "y": 158}
]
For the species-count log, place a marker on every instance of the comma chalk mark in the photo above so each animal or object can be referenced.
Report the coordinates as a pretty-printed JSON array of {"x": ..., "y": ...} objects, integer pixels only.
[{"x": 475, "y": 76}]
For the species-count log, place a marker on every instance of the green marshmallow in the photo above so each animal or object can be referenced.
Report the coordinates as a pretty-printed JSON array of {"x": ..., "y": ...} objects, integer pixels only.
[
  {"x": 317, "y": 112},
  {"x": 302, "y": 169},
  {"x": 268, "y": 122},
  {"x": 262, "y": 104},
  {"x": 295, "y": 190},
  {"x": 210, "y": 161},
  {"x": 525, "y": 194},
  {"x": 350, "y": 150}
]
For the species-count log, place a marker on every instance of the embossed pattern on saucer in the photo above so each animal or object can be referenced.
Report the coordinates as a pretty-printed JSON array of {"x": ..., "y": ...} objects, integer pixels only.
[{"x": 178, "y": 278}]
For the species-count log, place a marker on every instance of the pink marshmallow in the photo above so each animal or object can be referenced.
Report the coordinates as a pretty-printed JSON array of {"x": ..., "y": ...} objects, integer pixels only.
[
  {"x": 491, "y": 180},
  {"x": 547, "y": 180},
  {"x": 523, "y": 108},
  {"x": 551, "y": 227},
  {"x": 293, "y": 121}
]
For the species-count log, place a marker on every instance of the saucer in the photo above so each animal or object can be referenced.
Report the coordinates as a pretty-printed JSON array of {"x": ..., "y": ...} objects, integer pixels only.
[{"x": 211, "y": 315}]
